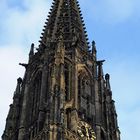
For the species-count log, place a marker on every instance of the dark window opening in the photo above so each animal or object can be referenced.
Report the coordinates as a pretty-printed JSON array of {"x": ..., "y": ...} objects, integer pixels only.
[
  {"x": 67, "y": 82},
  {"x": 68, "y": 118}
]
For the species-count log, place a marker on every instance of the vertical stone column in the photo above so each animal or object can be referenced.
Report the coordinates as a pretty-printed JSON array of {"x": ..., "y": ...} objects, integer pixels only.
[
  {"x": 98, "y": 132},
  {"x": 75, "y": 80},
  {"x": 74, "y": 97},
  {"x": 99, "y": 91},
  {"x": 22, "y": 130},
  {"x": 43, "y": 93}
]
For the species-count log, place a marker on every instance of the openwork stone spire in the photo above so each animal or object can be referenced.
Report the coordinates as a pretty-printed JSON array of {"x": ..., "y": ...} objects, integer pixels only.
[{"x": 65, "y": 15}]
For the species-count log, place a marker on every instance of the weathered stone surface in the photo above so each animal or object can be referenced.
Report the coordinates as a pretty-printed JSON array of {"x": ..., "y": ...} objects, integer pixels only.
[{"x": 63, "y": 85}]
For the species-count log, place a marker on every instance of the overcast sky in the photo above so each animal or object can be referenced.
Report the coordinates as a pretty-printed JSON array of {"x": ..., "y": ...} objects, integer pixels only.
[{"x": 113, "y": 24}]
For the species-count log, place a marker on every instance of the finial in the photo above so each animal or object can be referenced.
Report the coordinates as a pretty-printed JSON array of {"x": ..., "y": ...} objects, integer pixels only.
[
  {"x": 100, "y": 69},
  {"x": 94, "y": 48},
  {"x": 32, "y": 45},
  {"x": 31, "y": 50},
  {"x": 107, "y": 78},
  {"x": 93, "y": 43},
  {"x": 19, "y": 80},
  {"x": 18, "y": 88}
]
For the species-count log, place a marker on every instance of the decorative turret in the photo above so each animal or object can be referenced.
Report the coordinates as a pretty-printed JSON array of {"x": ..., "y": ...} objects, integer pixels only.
[
  {"x": 100, "y": 69},
  {"x": 94, "y": 51},
  {"x": 31, "y": 51},
  {"x": 107, "y": 78},
  {"x": 10, "y": 132}
]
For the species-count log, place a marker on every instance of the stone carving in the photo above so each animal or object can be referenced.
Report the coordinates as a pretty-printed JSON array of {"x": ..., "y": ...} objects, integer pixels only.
[{"x": 59, "y": 97}]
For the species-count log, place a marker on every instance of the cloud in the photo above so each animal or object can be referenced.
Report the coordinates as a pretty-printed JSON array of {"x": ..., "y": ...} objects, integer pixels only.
[
  {"x": 111, "y": 11},
  {"x": 125, "y": 74},
  {"x": 129, "y": 124},
  {"x": 20, "y": 25},
  {"x": 125, "y": 87},
  {"x": 9, "y": 72},
  {"x": 23, "y": 25}
]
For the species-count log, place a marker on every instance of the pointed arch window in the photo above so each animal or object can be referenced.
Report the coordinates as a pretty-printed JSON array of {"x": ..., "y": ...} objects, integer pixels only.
[
  {"x": 84, "y": 85},
  {"x": 34, "y": 103},
  {"x": 36, "y": 92},
  {"x": 68, "y": 81},
  {"x": 68, "y": 90},
  {"x": 84, "y": 94}
]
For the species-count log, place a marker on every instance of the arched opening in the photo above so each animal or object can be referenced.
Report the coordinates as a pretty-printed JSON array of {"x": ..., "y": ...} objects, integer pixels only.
[
  {"x": 35, "y": 90},
  {"x": 36, "y": 95},
  {"x": 68, "y": 117},
  {"x": 68, "y": 81},
  {"x": 103, "y": 136},
  {"x": 85, "y": 96}
]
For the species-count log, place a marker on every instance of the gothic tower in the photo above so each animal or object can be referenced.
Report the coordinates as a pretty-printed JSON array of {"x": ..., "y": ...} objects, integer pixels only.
[{"x": 64, "y": 94}]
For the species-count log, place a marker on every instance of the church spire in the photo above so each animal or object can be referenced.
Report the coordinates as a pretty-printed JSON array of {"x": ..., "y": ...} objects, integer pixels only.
[
  {"x": 65, "y": 13},
  {"x": 64, "y": 94}
]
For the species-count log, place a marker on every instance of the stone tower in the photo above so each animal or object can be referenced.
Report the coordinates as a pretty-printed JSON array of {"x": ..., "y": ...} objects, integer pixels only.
[{"x": 64, "y": 94}]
